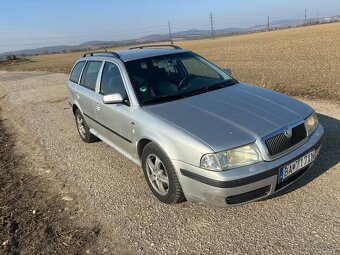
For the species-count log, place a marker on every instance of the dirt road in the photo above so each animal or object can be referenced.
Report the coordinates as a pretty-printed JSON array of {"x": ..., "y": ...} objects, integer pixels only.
[{"x": 305, "y": 219}]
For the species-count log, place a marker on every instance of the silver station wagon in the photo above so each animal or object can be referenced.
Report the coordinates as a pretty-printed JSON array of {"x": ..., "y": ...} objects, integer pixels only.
[{"x": 198, "y": 134}]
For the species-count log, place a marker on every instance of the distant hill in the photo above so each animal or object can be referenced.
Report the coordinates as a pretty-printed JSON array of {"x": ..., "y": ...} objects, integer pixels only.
[
  {"x": 48, "y": 49},
  {"x": 95, "y": 43},
  {"x": 191, "y": 34},
  {"x": 181, "y": 35}
]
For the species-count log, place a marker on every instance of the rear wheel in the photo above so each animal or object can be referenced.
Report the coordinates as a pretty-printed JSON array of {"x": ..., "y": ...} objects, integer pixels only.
[
  {"x": 160, "y": 175},
  {"x": 83, "y": 128}
]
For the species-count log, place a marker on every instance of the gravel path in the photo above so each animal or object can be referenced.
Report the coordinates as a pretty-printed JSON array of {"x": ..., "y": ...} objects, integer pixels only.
[{"x": 305, "y": 219}]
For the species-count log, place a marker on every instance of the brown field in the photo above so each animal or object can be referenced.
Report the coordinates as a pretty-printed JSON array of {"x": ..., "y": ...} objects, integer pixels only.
[{"x": 301, "y": 62}]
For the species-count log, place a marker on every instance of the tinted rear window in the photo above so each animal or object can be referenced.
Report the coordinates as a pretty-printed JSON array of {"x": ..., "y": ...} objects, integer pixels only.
[
  {"x": 89, "y": 77},
  {"x": 77, "y": 71}
]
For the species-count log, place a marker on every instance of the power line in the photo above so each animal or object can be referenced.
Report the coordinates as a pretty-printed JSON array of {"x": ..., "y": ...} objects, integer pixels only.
[
  {"x": 268, "y": 23},
  {"x": 54, "y": 35},
  {"x": 212, "y": 25},
  {"x": 170, "y": 35}
]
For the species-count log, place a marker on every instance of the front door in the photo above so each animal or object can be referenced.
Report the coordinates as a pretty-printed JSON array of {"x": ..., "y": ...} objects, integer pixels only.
[{"x": 114, "y": 119}]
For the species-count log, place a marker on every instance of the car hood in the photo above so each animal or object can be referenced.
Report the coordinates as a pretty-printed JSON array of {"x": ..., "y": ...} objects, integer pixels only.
[{"x": 232, "y": 116}]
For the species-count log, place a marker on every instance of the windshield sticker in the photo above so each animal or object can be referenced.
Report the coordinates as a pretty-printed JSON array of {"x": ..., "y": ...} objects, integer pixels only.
[
  {"x": 165, "y": 62},
  {"x": 143, "y": 89}
]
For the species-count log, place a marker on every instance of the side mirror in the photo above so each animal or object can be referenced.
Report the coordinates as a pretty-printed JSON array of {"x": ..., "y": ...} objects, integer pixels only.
[
  {"x": 228, "y": 70},
  {"x": 113, "y": 99}
]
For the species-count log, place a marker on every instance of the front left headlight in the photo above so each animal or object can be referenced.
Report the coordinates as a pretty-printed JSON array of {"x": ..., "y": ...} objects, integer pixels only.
[
  {"x": 311, "y": 122},
  {"x": 237, "y": 157}
]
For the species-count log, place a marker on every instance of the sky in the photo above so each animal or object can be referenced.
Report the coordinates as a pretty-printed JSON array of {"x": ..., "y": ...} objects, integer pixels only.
[{"x": 37, "y": 23}]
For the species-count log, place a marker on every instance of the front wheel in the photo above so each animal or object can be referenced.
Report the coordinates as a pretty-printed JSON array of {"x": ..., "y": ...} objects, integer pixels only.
[{"x": 160, "y": 175}]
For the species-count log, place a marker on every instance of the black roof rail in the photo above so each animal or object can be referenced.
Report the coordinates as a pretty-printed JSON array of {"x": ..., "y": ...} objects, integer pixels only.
[
  {"x": 112, "y": 53},
  {"x": 155, "y": 46}
]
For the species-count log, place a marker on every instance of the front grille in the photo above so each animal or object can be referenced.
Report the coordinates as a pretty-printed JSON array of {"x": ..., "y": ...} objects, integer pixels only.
[
  {"x": 280, "y": 142},
  {"x": 248, "y": 196}
]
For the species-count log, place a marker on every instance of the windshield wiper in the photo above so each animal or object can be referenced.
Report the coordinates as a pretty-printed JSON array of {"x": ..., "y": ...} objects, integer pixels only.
[
  {"x": 163, "y": 99},
  {"x": 211, "y": 87}
]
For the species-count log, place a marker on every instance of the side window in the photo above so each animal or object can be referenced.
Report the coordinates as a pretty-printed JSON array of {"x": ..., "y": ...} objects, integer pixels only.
[
  {"x": 76, "y": 71},
  {"x": 112, "y": 81},
  {"x": 89, "y": 77}
]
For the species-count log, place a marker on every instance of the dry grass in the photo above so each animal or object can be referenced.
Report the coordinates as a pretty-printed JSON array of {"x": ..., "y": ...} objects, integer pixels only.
[{"x": 300, "y": 62}]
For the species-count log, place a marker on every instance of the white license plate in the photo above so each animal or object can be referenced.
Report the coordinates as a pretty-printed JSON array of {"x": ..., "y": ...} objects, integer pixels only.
[{"x": 288, "y": 170}]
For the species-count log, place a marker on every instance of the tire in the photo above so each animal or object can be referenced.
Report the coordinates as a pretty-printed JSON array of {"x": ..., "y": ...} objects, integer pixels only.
[
  {"x": 83, "y": 128},
  {"x": 160, "y": 175}
]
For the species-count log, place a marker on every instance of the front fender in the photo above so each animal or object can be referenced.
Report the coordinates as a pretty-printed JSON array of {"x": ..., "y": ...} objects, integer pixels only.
[{"x": 176, "y": 143}]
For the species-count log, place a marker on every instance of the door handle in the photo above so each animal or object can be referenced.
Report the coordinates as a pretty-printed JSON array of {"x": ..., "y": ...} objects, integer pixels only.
[{"x": 97, "y": 107}]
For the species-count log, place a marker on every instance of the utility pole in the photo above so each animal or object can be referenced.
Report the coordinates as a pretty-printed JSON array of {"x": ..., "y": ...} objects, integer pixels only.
[
  {"x": 268, "y": 23},
  {"x": 212, "y": 25},
  {"x": 317, "y": 17},
  {"x": 170, "y": 34},
  {"x": 306, "y": 15}
]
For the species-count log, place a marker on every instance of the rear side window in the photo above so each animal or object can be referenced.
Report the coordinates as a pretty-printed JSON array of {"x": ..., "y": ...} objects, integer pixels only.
[
  {"x": 112, "y": 81},
  {"x": 77, "y": 71},
  {"x": 89, "y": 77}
]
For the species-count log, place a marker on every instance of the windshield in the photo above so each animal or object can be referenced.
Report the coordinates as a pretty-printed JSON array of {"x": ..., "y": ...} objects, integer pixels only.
[{"x": 171, "y": 77}]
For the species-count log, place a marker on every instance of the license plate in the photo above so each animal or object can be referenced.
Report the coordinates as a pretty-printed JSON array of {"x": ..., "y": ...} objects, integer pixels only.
[{"x": 288, "y": 170}]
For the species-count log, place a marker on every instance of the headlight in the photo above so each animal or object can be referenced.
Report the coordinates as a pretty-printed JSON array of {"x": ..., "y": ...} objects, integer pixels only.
[
  {"x": 237, "y": 157},
  {"x": 311, "y": 122}
]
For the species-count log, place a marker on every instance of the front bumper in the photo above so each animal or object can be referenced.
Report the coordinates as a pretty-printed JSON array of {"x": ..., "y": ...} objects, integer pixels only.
[{"x": 245, "y": 184}]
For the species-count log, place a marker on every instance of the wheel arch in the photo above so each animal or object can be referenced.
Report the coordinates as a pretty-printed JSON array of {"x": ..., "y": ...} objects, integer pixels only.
[
  {"x": 144, "y": 142},
  {"x": 141, "y": 145},
  {"x": 74, "y": 108}
]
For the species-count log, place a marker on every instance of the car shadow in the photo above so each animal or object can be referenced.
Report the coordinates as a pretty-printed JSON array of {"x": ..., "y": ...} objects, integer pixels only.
[{"x": 329, "y": 155}]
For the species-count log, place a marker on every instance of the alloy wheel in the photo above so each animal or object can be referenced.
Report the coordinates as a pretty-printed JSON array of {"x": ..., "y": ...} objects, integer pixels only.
[{"x": 157, "y": 174}]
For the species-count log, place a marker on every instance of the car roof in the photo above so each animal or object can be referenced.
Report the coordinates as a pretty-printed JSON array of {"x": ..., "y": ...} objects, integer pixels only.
[{"x": 134, "y": 54}]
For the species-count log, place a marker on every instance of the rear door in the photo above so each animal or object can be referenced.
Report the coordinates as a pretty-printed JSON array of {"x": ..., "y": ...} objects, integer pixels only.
[
  {"x": 85, "y": 93},
  {"x": 114, "y": 119},
  {"x": 74, "y": 80}
]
